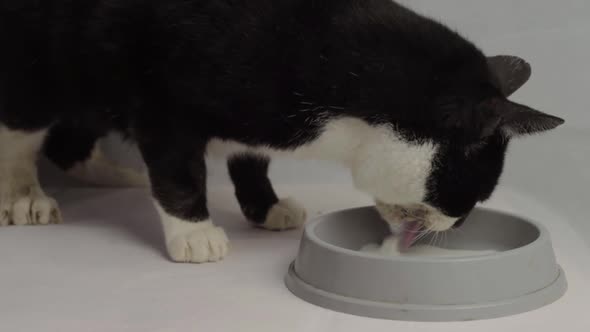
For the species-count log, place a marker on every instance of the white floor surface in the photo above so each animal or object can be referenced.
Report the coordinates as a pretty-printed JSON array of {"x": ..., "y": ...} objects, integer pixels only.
[{"x": 106, "y": 270}]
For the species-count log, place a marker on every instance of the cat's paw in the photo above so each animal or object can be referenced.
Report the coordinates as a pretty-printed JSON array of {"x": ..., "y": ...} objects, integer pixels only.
[
  {"x": 204, "y": 243},
  {"x": 286, "y": 214},
  {"x": 34, "y": 208}
]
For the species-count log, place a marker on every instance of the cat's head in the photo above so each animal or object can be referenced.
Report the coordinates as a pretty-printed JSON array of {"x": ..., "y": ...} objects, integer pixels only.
[{"x": 437, "y": 168}]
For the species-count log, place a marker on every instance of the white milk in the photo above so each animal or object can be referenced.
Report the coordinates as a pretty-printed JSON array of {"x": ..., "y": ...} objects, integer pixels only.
[{"x": 390, "y": 247}]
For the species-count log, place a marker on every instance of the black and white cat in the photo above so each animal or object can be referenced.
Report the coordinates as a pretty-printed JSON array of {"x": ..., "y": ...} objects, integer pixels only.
[{"x": 417, "y": 113}]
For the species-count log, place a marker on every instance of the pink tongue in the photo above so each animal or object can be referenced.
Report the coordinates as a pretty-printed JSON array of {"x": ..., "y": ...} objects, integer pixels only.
[{"x": 410, "y": 231}]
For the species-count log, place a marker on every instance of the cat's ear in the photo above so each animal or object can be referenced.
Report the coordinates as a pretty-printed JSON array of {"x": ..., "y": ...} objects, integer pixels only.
[
  {"x": 517, "y": 120},
  {"x": 510, "y": 72}
]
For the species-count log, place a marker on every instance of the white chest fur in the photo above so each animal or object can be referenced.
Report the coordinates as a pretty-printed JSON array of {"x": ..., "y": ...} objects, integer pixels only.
[{"x": 382, "y": 163}]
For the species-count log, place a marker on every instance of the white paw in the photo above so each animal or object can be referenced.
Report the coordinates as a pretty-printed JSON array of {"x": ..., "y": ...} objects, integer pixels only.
[
  {"x": 286, "y": 214},
  {"x": 193, "y": 242},
  {"x": 31, "y": 209},
  {"x": 22, "y": 202},
  {"x": 207, "y": 243}
]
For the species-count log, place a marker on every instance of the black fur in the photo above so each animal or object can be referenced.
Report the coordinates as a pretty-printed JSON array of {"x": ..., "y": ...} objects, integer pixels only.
[
  {"x": 459, "y": 180},
  {"x": 253, "y": 188},
  {"x": 173, "y": 74},
  {"x": 71, "y": 143}
]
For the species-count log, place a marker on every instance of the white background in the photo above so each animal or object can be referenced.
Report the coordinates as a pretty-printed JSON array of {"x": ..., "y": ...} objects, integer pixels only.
[{"x": 105, "y": 269}]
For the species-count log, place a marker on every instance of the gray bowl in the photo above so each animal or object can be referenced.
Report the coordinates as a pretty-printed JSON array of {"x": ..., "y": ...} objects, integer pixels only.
[{"x": 522, "y": 275}]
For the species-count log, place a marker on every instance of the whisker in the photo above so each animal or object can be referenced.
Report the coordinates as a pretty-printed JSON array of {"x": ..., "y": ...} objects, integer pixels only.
[
  {"x": 423, "y": 235},
  {"x": 312, "y": 109},
  {"x": 432, "y": 239},
  {"x": 421, "y": 232}
]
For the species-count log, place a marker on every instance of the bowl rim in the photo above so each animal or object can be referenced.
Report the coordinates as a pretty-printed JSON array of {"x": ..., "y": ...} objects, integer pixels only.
[{"x": 310, "y": 227}]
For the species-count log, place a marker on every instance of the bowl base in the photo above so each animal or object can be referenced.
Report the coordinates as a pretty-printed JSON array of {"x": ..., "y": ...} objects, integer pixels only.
[{"x": 426, "y": 313}]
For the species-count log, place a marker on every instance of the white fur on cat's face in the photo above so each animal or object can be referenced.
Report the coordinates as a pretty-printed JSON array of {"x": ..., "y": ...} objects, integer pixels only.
[
  {"x": 395, "y": 172},
  {"x": 432, "y": 218},
  {"x": 384, "y": 165}
]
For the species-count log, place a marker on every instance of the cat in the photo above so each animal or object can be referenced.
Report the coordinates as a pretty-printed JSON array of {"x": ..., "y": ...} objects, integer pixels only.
[{"x": 418, "y": 114}]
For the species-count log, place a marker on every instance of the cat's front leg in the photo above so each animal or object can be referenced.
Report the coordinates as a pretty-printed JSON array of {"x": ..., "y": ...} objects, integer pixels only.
[
  {"x": 178, "y": 181},
  {"x": 22, "y": 200},
  {"x": 257, "y": 198}
]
